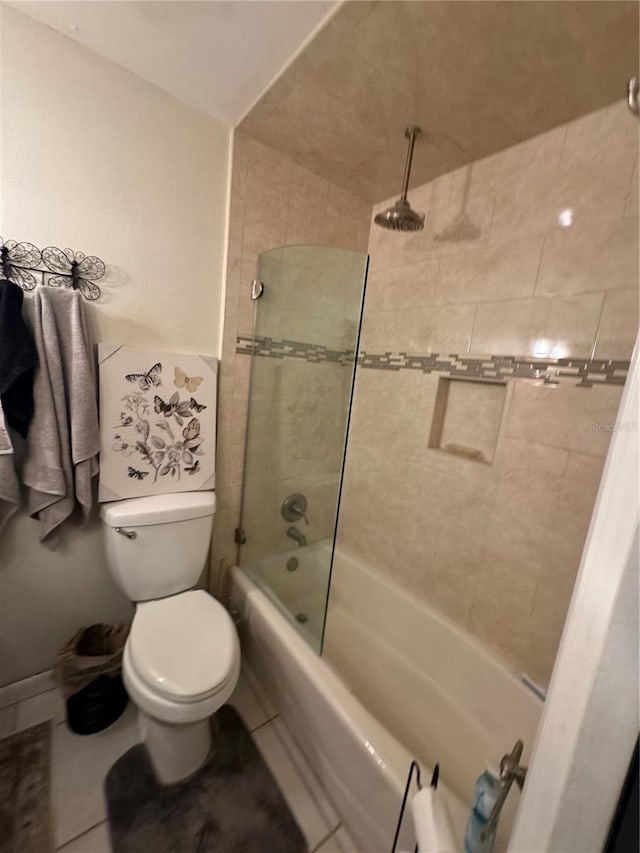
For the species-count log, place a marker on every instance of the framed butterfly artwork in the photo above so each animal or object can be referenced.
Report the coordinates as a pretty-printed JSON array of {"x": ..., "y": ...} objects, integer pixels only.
[{"x": 157, "y": 422}]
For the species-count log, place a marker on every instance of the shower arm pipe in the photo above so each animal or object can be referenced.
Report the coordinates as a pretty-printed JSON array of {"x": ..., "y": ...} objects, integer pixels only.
[{"x": 411, "y": 133}]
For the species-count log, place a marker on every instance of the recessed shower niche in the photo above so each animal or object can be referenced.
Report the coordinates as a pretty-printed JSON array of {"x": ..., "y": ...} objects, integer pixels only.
[{"x": 466, "y": 418}]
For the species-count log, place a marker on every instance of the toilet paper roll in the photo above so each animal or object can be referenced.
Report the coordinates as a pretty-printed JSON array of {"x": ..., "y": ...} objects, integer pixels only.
[{"x": 432, "y": 823}]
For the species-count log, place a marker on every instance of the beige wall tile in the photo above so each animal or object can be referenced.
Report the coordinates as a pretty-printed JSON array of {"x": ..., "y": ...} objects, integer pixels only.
[
  {"x": 434, "y": 328},
  {"x": 503, "y": 327},
  {"x": 544, "y": 328},
  {"x": 231, "y": 462},
  {"x": 563, "y": 416},
  {"x": 342, "y": 203},
  {"x": 503, "y": 600},
  {"x": 529, "y": 458},
  {"x": 607, "y": 137},
  {"x": 309, "y": 222},
  {"x": 590, "y": 256},
  {"x": 544, "y": 151},
  {"x": 501, "y": 271},
  {"x": 580, "y": 486},
  {"x": 265, "y": 167},
  {"x": 377, "y": 333},
  {"x": 265, "y": 213},
  {"x": 533, "y": 201},
  {"x": 618, "y": 325},
  {"x": 408, "y": 286},
  {"x": 566, "y": 326},
  {"x": 400, "y": 428},
  {"x": 631, "y": 210}
]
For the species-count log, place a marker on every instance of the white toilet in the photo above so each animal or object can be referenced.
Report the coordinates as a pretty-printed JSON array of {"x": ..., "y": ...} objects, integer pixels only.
[{"x": 182, "y": 657}]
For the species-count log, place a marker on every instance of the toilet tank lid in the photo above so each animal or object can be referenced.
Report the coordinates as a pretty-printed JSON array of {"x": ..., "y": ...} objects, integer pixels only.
[{"x": 159, "y": 509}]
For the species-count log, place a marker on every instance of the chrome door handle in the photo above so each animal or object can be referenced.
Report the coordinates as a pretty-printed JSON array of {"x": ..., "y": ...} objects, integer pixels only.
[{"x": 130, "y": 534}]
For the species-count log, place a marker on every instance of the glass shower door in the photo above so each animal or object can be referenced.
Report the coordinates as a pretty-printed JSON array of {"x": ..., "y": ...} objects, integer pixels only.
[{"x": 303, "y": 356}]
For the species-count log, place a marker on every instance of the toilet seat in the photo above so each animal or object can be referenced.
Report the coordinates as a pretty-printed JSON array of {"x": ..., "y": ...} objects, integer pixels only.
[
  {"x": 184, "y": 648},
  {"x": 158, "y": 707}
]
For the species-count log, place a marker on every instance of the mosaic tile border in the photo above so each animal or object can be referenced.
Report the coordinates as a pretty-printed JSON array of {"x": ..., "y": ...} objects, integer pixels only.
[
  {"x": 495, "y": 368},
  {"x": 276, "y": 348},
  {"x": 588, "y": 372}
]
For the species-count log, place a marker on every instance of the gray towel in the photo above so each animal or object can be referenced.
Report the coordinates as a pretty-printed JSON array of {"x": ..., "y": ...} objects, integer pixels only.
[
  {"x": 63, "y": 441},
  {"x": 9, "y": 486}
]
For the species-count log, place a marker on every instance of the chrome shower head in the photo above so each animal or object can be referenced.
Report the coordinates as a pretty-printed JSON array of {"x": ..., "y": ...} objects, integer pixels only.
[{"x": 400, "y": 216}]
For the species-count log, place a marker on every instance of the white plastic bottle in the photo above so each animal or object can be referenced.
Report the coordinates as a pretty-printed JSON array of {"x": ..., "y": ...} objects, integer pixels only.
[{"x": 487, "y": 791}]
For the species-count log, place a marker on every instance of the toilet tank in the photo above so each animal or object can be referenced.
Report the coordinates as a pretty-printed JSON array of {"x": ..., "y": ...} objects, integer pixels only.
[{"x": 167, "y": 543}]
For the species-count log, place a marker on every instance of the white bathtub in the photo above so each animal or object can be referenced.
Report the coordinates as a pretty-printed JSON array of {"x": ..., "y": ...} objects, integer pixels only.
[
  {"x": 360, "y": 765},
  {"x": 300, "y": 594},
  {"x": 434, "y": 685},
  {"x": 385, "y": 654}
]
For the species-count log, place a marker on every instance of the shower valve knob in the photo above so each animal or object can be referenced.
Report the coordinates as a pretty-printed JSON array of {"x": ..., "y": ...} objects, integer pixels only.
[{"x": 294, "y": 508}]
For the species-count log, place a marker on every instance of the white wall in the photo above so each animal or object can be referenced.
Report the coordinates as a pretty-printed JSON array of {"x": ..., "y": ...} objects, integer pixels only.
[{"x": 94, "y": 158}]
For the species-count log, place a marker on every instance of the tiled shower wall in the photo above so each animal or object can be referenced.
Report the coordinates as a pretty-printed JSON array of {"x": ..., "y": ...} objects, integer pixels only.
[
  {"x": 274, "y": 202},
  {"x": 532, "y": 252}
]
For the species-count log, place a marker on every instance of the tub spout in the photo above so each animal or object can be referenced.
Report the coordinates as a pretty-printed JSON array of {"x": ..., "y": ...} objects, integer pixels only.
[{"x": 300, "y": 538}]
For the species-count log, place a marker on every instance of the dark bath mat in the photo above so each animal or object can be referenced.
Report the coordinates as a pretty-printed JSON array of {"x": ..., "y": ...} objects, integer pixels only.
[
  {"x": 232, "y": 805},
  {"x": 25, "y": 811}
]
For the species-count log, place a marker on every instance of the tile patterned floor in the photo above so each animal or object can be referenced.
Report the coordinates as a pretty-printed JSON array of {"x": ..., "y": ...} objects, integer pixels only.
[{"x": 79, "y": 765}]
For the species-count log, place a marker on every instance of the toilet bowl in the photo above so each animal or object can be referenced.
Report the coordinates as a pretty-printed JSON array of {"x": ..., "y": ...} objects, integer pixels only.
[{"x": 181, "y": 661}]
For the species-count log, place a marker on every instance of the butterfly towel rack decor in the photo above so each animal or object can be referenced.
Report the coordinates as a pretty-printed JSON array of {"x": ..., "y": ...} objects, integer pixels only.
[{"x": 26, "y": 265}]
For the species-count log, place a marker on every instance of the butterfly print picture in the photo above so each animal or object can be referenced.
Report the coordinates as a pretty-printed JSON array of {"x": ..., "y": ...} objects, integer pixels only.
[
  {"x": 159, "y": 445},
  {"x": 192, "y": 429},
  {"x": 181, "y": 380},
  {"x": 158, "y": 416},
  {"x": 137, "y": 475},
  {"x": 166, "y": 409},
  {"x": 176, "y": 407},
  {"x": 147, "y": 380}
]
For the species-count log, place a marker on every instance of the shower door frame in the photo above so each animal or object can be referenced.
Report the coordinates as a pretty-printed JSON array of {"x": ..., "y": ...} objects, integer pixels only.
[{"x": 575, "y": 724}]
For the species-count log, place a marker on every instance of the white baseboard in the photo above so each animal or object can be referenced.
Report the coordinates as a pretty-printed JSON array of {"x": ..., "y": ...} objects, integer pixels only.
[{"x": 25, "y": 689}]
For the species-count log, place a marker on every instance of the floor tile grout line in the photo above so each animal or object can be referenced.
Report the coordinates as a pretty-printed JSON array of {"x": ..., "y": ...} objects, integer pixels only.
[
  {"x": 305, "y": 784},
  {"x": 326, "y": 838},
  {"x": 309, "y": 770},
  {"x": 265, "y": 723},
  {"x": 81, "y": 834},
  {"x": 27, "y": 698},
  {"x": 15, "y": 729}
]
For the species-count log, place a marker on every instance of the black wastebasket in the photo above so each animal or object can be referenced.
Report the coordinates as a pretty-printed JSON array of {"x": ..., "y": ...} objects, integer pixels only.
[
  {"x": 89, "y": 671},
  {"x": 97, "y": 705}
]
